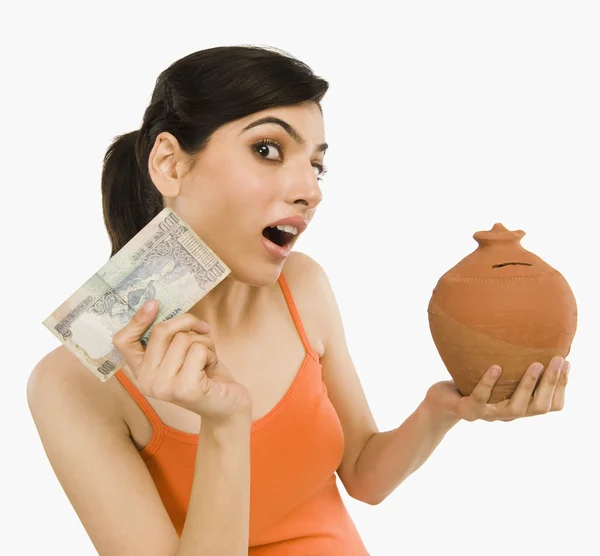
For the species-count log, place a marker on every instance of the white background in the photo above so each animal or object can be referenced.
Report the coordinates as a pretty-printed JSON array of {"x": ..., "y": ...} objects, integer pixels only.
[{"x": 443, "y": 118}]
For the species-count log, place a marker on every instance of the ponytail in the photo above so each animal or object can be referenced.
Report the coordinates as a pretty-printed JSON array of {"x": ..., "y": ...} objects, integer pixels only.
[{"x": 128, "y": 202}]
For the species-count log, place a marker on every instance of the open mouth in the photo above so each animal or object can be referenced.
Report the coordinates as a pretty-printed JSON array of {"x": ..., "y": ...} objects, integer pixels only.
[{"x": 278, "y": 237}]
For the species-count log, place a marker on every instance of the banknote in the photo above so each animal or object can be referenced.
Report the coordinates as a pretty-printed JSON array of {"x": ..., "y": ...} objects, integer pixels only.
[{"x": 166, "y": 261}]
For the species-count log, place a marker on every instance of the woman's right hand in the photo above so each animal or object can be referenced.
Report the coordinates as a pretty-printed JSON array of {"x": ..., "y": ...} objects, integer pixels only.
[{"x": 180, "y": 366}]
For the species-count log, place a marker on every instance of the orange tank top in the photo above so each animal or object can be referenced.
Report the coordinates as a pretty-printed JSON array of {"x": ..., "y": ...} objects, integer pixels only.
[{"x": 295, "y": 449}]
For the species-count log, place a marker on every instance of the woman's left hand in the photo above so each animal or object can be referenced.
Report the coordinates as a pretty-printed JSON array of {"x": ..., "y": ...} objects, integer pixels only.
[{"x": 549, "y": 395}]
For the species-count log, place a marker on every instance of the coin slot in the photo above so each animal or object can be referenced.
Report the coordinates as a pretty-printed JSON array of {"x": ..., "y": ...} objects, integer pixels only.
[{"x": 506, "y": 264}]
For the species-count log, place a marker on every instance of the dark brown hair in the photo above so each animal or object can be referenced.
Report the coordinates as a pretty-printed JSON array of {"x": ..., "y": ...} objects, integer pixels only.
[{"x": 191, "y": 99}]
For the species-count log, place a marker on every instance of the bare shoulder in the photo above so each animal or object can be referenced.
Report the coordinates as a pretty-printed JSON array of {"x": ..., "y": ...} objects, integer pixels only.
[
  {"x": 307, "y": 280},
  {"x": 303, "y": 271},
  {"x": 60, "y": 374},
  {"x": 62, "y": 367},
  {"x": 98, "y": 466}
]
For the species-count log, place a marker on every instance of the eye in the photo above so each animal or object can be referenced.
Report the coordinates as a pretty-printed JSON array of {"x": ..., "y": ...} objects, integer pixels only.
[
  {"x": 264, "y": 146},
  {"x": 322, "y": 170}
]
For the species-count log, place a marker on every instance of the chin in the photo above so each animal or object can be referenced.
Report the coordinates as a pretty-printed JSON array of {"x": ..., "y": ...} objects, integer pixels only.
[
  {"x": 256, "y": 269},
  {"x": 257, "y": 274}
]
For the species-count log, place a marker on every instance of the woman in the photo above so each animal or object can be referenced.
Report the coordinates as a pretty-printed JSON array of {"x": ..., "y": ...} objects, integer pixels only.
[{"x": 224, "y": 435}]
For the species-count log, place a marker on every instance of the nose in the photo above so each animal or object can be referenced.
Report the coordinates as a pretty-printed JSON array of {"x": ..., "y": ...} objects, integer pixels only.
[{"x": 306, "y": 188}]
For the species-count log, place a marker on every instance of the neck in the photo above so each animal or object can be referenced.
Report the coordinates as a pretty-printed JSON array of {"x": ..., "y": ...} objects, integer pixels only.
[{"x": 230, "y": 306}]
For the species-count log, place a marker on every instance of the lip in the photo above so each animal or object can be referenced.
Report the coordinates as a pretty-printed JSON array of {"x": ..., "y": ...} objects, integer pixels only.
[
  {"x": 299, "y": 222},
  {"x": 275, "y": 250}
]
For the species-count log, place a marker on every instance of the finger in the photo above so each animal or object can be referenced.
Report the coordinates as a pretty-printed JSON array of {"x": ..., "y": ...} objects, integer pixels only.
[
  {"x": 558, "y": 401},
  {"x": 161, "y": 382},
  {"x": 193, "y": 380},
  {"x": 542, "y": 397},
  {"x": 163, "y": 333},
  {"x": 519, "y": 401},
  {"x": 127, "y": 339},
  {"x": 521, "y": 397},
  {"x": 178, "y": 350},
  {"x": 483, "y": 390}
]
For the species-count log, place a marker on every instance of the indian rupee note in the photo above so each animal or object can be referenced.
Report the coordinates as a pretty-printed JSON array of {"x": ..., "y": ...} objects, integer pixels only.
[{"x": 166, "y": 261}]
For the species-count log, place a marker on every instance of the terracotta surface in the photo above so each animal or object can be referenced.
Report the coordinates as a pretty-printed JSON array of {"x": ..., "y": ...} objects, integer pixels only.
[{"x": 500, "y": 305}]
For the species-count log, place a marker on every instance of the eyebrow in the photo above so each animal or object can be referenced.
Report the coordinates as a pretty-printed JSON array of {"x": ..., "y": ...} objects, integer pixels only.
[{"x": 291, "y": 130}]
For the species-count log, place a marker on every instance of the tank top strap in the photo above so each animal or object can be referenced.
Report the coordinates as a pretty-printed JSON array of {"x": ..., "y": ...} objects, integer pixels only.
[
  {"x": 143, "y": 403},
  {"x": 296, "y": 316}
]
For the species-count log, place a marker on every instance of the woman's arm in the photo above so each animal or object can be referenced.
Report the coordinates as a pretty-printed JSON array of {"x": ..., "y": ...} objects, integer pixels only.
[
  {"x": 388, "y": 458},
  {"x": 219, "y": 510},
  {"x": 109, "y": 486}
]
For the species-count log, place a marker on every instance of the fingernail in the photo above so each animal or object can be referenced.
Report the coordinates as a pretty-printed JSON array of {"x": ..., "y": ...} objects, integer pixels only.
[
  {"x": 537, "y": 369},
  {"x": 149, "y": 306},
  {"x": 559, "y": 369},
  {"x": 495, "y": 371}
]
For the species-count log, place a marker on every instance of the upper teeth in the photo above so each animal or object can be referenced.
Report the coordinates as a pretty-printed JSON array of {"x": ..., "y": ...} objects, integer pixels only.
[{"x": 288, "y": 229}]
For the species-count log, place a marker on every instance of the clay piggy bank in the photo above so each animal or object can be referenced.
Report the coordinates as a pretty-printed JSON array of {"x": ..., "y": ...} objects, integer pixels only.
[{"x": 500, "y": 305}]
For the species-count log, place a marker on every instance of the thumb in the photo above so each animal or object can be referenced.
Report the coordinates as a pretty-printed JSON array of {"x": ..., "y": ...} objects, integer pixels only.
[
  {"x": 127, "y": 339},
  {"x": 147, "y": 309}
]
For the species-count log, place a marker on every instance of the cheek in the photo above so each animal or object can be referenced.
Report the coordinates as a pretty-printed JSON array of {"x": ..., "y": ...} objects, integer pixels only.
[
  {"x": 231, "y": 200},
  {"x": 249, "y": 193}
]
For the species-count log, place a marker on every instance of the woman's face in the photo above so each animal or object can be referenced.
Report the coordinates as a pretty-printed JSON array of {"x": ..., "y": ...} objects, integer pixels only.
[{"x": 248, "y": 177}]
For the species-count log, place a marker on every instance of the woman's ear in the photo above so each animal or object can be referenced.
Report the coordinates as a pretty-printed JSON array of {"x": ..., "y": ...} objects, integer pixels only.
[{"x": 166, "y": 164}]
